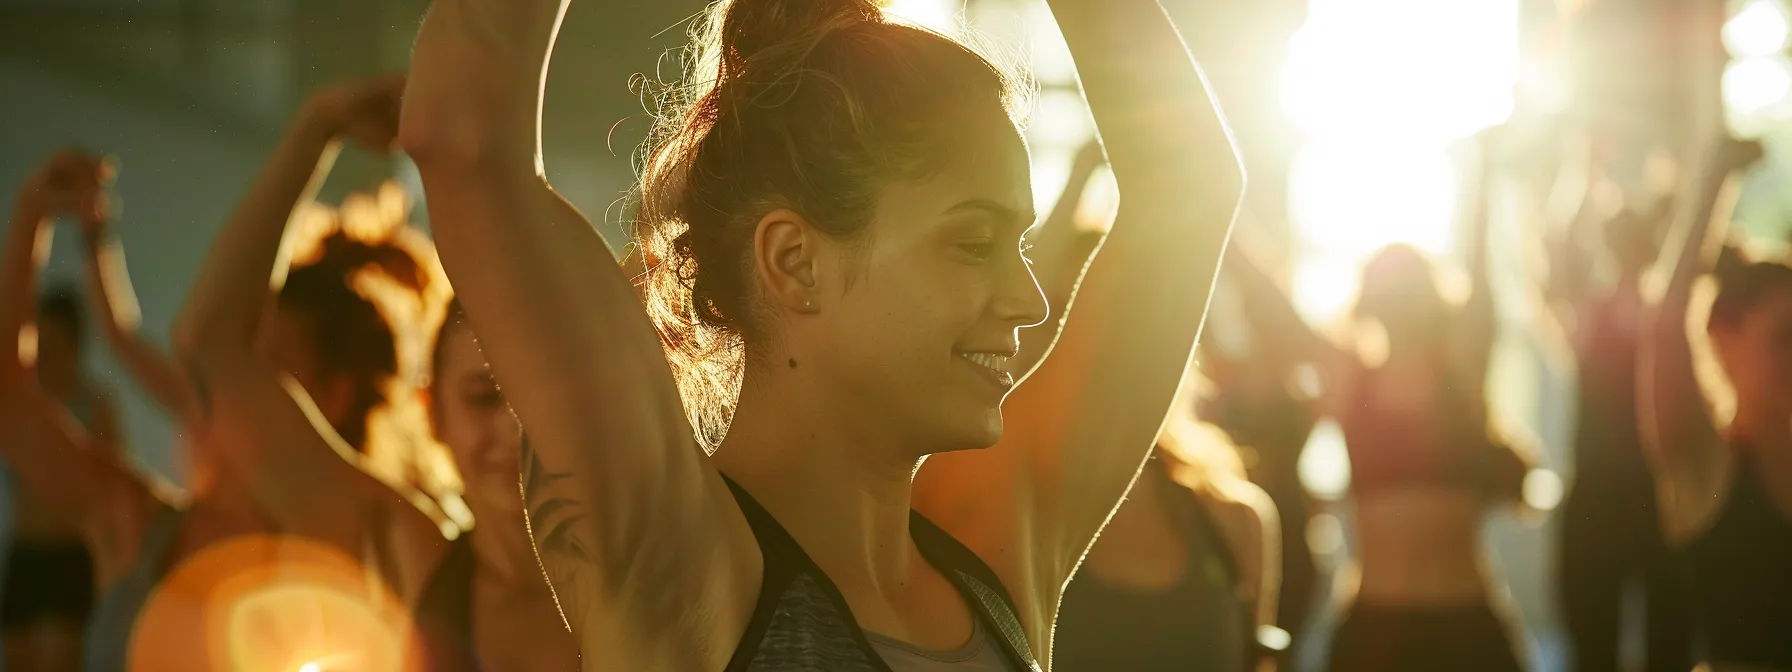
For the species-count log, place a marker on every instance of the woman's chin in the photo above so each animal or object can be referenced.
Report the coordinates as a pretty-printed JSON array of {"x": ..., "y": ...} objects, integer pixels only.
[{"x": 973, "y": 431}]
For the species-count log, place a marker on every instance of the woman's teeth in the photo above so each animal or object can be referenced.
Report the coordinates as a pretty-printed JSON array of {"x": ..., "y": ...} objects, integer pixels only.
[{"x": 996, "y": 363}]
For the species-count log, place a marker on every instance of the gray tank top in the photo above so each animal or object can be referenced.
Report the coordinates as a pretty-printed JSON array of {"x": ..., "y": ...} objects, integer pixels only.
[
  {"x": 108, "y": 640},
  {"x": 981, "y": 654}
]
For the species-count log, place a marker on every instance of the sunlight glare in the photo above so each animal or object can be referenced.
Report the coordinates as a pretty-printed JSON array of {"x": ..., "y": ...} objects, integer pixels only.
[
  {"x": 1412, "y": 68},
  {"x": 1324, "y": 465},
  {"x": 1757, "y": 86},
  {"x": 1324, "y": 287},
  {"x": 1353, "y": 199},
  {"x": 1542, "y": 489},
  {"x": 939, "y": 15},
  {"x": 1759, "y": 29}
]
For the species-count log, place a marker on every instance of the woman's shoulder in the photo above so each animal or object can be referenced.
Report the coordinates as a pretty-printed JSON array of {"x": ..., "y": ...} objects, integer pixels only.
[{"x": 1248, "y": 523}]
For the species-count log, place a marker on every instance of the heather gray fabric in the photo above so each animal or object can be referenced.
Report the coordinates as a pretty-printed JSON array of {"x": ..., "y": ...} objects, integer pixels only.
[{"x": 982, "y": 654}]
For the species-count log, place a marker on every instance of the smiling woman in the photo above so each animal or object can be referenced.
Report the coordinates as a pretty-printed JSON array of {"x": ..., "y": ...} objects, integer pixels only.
[{"x": 831, "y": 211}]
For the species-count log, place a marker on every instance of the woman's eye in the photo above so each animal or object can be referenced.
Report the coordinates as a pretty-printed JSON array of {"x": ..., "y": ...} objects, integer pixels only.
[{"x": 979, "y": 250}]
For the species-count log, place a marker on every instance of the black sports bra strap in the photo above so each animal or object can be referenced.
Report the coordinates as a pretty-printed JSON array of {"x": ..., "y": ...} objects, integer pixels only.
[
  {"x": 774, "y": 541},
  {"x": 975, "y": 579}
]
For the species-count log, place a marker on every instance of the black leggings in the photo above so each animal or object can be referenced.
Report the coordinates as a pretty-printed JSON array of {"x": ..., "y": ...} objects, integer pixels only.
[
  {"x": 1470, "y": 638},
  {"x": 46, "y": 582},
  {"x": 1611, "y": 541}
]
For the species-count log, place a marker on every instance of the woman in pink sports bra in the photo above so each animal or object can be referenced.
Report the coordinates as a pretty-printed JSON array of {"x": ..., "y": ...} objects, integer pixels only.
[{"x": 1424, "y": 468}]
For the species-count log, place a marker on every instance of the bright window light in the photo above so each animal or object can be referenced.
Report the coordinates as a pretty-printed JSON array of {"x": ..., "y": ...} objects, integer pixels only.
[
  {"x": 1355, "y": 198},
  {"x": 1758, "y": 29},
  {"x": 1381, "y": 89},
  {"x": 1414, "y": 68}
]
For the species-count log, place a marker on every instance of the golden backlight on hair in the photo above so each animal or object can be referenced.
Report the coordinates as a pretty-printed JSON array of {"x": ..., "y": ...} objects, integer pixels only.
[{"x": 399, "y": 449}]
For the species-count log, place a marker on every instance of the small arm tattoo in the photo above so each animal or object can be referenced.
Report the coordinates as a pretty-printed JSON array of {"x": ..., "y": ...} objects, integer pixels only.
[{"x": 553, "y": 515}]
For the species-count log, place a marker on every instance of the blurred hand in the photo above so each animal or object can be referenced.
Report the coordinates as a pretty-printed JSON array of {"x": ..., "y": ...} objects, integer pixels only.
[
  {"x": 1736, "y": 155},
  {"x": 364, "y": 111},
  {"x": 71, "y": 184}
]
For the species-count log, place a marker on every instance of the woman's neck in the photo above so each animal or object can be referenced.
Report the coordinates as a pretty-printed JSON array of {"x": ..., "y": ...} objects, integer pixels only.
[
  {"x": 503, "y": 552},
  {"x": 841, "y": 488}
]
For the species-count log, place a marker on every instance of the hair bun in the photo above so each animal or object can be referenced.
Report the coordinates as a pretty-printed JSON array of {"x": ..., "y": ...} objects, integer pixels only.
[
  {"x": 752, "y": 30},
  {"x": 344, "y": 255}
]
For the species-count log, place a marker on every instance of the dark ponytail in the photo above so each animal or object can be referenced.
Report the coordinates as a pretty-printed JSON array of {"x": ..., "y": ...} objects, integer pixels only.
[
  {"x": 811, "y": 105},
  {"x": 349, "y": 332}
]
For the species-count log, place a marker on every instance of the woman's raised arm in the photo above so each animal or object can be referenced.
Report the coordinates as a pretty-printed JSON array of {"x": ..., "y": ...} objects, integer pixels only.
[
  {"x": 1078, "y": 429},
  {"x": 1678, "y": 430},
  {"x": 632, "y": 523},
  {"x": 261, "y": 422},
  {"x": 113, "y": 303}
]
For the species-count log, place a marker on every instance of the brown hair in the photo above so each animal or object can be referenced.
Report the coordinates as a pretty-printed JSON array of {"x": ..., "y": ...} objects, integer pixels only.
[
  {"x": 805, "y": 104},
  {"x": 347, "y": 331}
]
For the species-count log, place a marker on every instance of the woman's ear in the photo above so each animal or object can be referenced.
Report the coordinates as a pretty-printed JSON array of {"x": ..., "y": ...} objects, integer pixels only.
[{"x": 784, "y": 251}]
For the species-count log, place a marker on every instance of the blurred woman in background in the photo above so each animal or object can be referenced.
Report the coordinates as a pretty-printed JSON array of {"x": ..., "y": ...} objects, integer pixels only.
[
  {"x": 1610, "y": 545},
  {"x": 1184, "y": 574},
  {"x": 48, "y": 591},
  {"x": 273, "y": 392},
  {"x": 1726, "y": 494},
  {"x": 1424, "y": 468},
  {"x": 485, "y": 605}
]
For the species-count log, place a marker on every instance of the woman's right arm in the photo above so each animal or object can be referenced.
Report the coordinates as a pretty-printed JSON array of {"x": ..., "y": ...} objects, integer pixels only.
[
  {"x": 114, "y": 304},
  {"x": 1678, "y": 429},
  {"x": 1284, "y": 338},
  {"x": 651, "y": 559}
]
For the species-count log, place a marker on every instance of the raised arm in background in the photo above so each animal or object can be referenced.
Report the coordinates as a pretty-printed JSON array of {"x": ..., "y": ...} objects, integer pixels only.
[
  {"x": 1475, "y": 328},
  {"x": 631, "y": 522},
  {"x": 113, "y": 303},
  {"x": 53, "y": 457},
  {"x": 1056, "y": 263},
  {"x": 1679, "y": 433},
  {"x": 1079, "y": 427},
  {"x": 263, "y": 425},
  {"x": 1060, "y": 252}
]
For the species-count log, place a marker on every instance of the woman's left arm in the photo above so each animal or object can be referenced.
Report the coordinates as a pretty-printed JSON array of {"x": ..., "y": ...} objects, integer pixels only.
[{"x": 1078, "y": 428}]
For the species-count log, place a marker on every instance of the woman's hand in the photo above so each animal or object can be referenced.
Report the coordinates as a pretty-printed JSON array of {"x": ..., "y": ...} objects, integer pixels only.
[
  {"x": 364, "y": 111},
  {"x": 72, "y": 183}
]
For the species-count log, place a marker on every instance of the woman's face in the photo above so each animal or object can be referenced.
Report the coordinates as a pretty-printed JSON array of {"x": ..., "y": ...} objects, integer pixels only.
[
  {"x": 478, "y": 428},
  {"x": 915, "y": 313},
  {"x": 1757, "y": 352}
]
